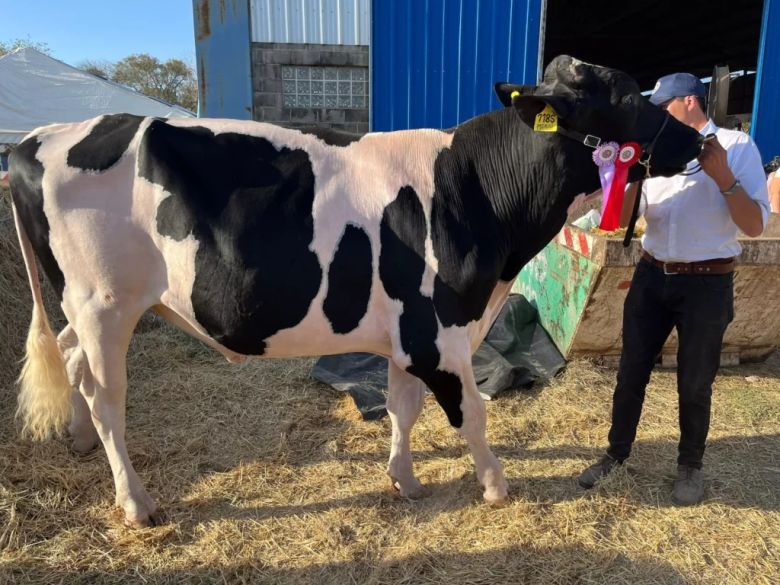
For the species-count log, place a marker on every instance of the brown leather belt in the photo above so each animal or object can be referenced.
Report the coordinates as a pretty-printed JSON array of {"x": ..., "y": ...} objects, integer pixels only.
[{"x": 714, "y": 266}]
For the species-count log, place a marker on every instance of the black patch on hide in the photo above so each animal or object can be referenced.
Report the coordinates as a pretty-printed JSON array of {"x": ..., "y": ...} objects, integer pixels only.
[
  {"x": 249, "y": 205},
  {"x": 401, "y": 268},
  {"x": 349, "y": 281},
  {"x": 25, "y": 176},
  {"x": 106, "y": 143},
  {"x": 332, "y": 137}
]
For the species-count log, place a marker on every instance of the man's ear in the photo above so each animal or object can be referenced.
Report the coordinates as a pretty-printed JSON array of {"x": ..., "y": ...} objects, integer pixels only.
[{"x": 504, "y": 91}]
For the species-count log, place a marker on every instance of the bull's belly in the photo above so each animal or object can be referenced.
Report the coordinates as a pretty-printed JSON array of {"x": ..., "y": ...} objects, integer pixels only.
[
  {"x": 307, "y": 341},
  {"x": 262, "y": 332}
]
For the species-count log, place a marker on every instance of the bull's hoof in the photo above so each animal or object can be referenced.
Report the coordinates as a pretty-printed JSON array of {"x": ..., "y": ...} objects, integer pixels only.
[
  {"x": 84, "y": 446},
  {"x": 156, "y": 518},
  {"x": 410, "y": 489},
  {"x": 497, "y": 502},
  {"x": 496, "y": 498}
]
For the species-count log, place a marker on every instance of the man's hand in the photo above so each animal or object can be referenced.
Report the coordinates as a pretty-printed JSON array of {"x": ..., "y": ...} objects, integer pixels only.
[{"x": 713, "y": 161}]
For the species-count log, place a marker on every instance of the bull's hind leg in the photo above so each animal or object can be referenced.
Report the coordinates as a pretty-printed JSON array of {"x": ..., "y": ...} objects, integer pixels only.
[
  {"x": 81, "y": 429},
  {"x": 406, "y": 395},
  {"x": 104, "y": 333}
]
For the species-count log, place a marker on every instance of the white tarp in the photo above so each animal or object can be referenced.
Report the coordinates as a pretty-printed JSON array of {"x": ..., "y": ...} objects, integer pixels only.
[{"x": 36, "y": 90}]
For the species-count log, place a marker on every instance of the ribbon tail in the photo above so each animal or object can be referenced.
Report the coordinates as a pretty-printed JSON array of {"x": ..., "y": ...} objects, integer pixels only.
[
  {"x": 606, "y": 174},
  {"x": 610, "y": 219}
]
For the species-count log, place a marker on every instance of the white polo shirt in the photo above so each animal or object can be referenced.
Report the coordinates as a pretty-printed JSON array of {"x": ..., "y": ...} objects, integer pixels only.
[{"x": 688, "y": 219}]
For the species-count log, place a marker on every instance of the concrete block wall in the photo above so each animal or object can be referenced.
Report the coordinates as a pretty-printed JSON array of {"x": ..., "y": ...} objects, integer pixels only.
[{"x": 267, "y": 62}]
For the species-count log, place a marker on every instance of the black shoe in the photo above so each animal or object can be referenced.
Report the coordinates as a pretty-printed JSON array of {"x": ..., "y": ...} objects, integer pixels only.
[
  {"x": 597, "y": 471},
  {"x": 689, "y": 487}
]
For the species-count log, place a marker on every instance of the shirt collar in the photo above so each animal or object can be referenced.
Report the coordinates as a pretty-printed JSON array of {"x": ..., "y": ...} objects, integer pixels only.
[{"x": 709, "y": 128}]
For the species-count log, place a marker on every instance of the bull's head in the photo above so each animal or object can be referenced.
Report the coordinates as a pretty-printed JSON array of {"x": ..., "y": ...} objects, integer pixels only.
[{"x": 605, "y": 103}]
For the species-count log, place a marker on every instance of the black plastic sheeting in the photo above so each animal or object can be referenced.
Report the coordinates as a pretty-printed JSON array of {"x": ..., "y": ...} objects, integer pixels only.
[{"x": 516, "y": 353}]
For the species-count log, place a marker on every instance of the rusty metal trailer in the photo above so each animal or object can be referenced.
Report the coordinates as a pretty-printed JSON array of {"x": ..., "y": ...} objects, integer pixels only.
[{"x": 580, "y": 280}]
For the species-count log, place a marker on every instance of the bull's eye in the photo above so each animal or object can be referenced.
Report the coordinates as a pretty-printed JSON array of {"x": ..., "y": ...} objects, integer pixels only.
[{"x": 627, "y": 100}]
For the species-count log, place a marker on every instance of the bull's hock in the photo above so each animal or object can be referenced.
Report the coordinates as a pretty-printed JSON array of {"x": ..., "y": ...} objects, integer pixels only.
[{"x": 580, "y": 280}]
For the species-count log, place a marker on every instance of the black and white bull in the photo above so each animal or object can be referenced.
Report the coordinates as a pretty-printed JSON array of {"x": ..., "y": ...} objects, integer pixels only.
[{"x": 265, "y": 241}]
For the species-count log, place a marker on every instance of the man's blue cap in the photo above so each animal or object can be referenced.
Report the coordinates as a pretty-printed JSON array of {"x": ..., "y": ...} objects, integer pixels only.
[{"x": 676, "y": 85}]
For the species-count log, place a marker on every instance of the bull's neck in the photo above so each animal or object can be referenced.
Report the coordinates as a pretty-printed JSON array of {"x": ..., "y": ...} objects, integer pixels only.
[{"x": 529, "y": 179}]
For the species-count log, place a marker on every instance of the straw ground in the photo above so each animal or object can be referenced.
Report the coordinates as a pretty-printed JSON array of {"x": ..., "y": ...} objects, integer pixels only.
[{"x": 267, "y": 476}]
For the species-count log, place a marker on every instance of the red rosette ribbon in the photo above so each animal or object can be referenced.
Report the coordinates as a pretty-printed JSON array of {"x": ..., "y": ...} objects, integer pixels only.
[{"x": 628, "y": 155}]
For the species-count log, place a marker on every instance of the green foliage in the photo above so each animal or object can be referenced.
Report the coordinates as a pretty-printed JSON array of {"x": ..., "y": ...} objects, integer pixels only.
[
  {"x": 13, "y": 45},
  {"x": 103, "y": 69},
  {"x": 173, "y": 80}
]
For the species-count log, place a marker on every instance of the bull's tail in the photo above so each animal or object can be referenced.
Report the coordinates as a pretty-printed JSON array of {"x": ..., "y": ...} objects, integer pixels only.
[{"x": 44, "y": 389}]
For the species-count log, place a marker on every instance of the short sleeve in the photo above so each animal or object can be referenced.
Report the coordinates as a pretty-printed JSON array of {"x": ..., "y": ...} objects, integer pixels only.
[{"x": 745, "y": 163}]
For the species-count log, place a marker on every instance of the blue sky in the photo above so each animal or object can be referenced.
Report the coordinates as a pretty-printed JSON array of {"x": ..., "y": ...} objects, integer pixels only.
[{"x": 102, "y": 30}]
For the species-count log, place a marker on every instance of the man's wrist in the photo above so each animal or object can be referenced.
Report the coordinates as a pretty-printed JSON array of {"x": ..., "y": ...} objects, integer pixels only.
[
  {"x": 733, "y": 188},
  {"x": 725, "y": 182}
]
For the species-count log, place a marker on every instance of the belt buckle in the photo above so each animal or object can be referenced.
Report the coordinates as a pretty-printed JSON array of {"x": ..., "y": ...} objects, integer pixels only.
[{"x": 666, "y": 272}]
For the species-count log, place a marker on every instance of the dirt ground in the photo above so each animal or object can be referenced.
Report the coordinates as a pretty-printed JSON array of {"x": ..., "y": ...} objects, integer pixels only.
[{"x": 267, "y": 476}]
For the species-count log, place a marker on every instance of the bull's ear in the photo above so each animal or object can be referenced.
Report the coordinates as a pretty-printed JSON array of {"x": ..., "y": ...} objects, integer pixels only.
[
  {"x": 505, "y": 90},
  {"x": 530, "y": 105}
]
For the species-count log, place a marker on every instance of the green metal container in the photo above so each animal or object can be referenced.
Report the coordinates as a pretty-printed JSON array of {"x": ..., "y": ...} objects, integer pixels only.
[{"x": 579, "y": 282}]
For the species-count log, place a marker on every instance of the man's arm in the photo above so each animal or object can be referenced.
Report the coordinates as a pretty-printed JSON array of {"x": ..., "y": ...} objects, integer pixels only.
[
  {"x": 774, "y": 192},
  {"x": 745, "y": 212}
]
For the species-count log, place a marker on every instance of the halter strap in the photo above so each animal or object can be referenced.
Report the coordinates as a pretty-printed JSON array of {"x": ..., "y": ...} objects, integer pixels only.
[{"x": 645, "y": 162}]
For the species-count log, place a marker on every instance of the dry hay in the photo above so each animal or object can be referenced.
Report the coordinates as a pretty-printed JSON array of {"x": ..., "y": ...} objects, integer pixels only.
[{"x": 268, "y": 476}]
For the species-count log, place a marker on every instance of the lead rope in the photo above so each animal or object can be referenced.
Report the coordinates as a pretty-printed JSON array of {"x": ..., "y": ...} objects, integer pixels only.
[{"x": 635, "y": 211}]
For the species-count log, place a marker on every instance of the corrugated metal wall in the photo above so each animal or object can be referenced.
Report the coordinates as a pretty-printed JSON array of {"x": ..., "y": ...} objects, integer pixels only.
[
  {"x": 765, "y": 124},
  {"x": 434, "y": 62},
  {"x": 325, "y": 22}
]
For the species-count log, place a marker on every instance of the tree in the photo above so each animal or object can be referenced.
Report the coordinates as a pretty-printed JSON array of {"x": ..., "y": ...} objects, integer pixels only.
[
  {"x": 103, "y": 69},
  {"x": 10, "y": 46},
  {"x": 173, "y": 81}
]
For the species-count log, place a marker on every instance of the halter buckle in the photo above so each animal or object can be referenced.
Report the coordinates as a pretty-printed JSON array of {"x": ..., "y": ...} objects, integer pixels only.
[{"x": 591, "y": 141}]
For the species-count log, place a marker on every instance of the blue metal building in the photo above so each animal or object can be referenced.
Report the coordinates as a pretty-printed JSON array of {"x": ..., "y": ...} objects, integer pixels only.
[{"x": 433, "y": 62}]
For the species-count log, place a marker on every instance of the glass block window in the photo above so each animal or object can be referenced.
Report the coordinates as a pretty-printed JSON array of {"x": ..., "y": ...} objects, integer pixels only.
[{"x": 325, "y": 87}]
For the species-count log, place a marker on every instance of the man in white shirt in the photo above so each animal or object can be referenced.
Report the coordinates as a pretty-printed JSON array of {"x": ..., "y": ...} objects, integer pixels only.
[{"x": 685, "y": 281}]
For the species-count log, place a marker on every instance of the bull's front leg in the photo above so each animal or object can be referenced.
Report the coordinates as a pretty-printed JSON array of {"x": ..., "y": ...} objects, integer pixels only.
[
  {"x": 489, "y": 471},
  {"x": 452, "y": 383},
  {"x": 405, "y": 399}
]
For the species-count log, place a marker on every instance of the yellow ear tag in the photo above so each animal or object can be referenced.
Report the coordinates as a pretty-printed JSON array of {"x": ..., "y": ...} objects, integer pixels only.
[{"x": 546, "y": 120}]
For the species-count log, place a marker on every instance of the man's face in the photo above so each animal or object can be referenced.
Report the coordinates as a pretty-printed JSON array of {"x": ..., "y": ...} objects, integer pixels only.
[{"x": 681, "y": 108}]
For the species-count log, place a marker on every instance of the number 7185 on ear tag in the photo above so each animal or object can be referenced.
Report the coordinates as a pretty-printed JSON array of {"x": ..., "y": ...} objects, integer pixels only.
[{"x": 546, "y": 120}]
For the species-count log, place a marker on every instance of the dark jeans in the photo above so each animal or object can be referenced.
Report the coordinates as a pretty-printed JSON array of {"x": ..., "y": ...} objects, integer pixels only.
[{"x": 700, "y": 307}]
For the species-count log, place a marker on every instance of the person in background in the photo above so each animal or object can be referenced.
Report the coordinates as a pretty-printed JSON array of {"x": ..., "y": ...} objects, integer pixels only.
[
  {"x": 685, "y": 281},
  {"x": 773, "y": 184}
]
